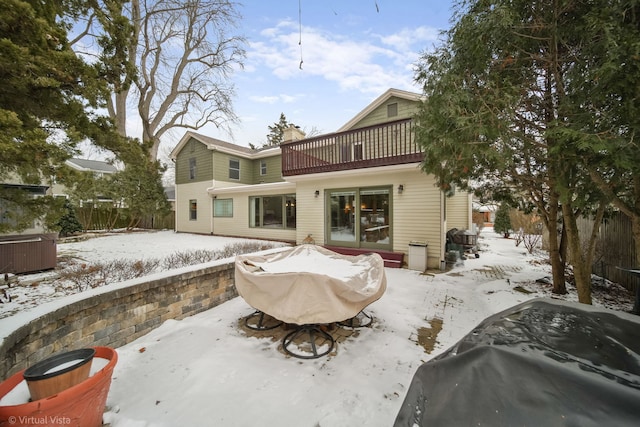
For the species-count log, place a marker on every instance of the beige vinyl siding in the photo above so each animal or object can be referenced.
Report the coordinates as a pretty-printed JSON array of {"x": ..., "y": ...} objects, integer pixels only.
[
  {"x": 204, "y": 162},
  {"x": 459, "y": 211},
  {"x": 311, "y": 210},
  {"x": 417, "y": 216},
  {"x": 406, "y": 109},
  {"x": 193, "y": 191},
  {"x": 416, "y": 212},
  {"x": 274, "y": 170}
]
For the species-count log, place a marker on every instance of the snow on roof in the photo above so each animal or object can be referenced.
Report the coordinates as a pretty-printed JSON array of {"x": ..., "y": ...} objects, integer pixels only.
[{"x": 91, "y": 165}]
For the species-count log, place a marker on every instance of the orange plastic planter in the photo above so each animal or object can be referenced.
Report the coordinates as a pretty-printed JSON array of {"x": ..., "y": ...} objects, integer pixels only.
[{"x": 81, "y": 405}]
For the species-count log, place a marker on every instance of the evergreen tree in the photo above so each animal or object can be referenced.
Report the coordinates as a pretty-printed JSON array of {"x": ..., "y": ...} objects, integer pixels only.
[
  {"x": 139, "y": 188},
  {"x": 276, "y": 132},
  {"x": 520, "y": 95},
  {"x": 502, "y": 223},
  {"x": 69, "y": 223},
  {"x": 49, "y": 97}
]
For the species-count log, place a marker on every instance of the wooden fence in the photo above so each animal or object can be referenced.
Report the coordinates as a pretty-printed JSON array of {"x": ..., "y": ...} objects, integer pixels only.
[
  {"x": 615, "y": 248},
  {"x": 107, "y": 217}
]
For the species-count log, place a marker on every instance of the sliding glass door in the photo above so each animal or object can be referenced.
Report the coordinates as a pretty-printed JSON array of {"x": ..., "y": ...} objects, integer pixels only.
[
  {"x": 360, "y": 217},
  {"x": 342, "y": 227},
  {"x": 374, "y": 217}
]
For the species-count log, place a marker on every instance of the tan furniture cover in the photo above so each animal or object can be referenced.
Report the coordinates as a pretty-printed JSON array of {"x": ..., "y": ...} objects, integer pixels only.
[{"x": 310, "y": 284}]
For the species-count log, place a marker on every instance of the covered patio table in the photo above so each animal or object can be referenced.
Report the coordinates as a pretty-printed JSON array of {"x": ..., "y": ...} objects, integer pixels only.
[{"x": 309, "y": 284}]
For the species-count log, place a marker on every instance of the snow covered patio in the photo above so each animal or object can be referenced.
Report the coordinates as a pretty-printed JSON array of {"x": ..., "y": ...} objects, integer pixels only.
[{"x": 209, "y": 369}]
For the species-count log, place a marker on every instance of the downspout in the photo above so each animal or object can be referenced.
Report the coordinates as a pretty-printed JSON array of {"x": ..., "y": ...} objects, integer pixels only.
[
  {"x": 443, "y": 232},
  {"x": 175, "y": 198},
  {"x": 211, "y": 199}
]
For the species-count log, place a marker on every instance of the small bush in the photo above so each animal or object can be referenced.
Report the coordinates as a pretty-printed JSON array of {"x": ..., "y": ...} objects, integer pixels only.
[
  {"x": 185, "y": 258},
  {"x": 241, "y": 248},
  {"x": 82, "y": 276},
  {"x": 120, "y": 270},
  {"x": 532, "y": 241}
]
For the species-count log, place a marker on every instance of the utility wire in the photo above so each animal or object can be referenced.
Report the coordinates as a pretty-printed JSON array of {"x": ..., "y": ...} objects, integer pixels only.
[{"x": 300, "y": 25}]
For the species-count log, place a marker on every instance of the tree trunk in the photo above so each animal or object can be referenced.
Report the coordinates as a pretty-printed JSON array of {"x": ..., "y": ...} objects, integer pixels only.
[
  {"x": 120, "y": 118},
  {"x": 555, "y": 255},
  {"x": 582, "y": 251},
  {"x": 557, "y": 263}
]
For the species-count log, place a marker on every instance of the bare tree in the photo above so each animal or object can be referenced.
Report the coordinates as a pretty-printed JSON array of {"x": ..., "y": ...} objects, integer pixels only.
[{"x": 184, "y": 55}]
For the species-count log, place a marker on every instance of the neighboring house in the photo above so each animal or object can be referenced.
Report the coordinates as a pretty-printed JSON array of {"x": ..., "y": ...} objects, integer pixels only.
[
  {"x": 488, "y": 212},
  {"x": 170, "y": 194},
  {"x": 95, "y": 167},
  {"x": 34, "y": 191},
  {"x": 360, "y": 188},
  {"x": 32, "y": 249}
]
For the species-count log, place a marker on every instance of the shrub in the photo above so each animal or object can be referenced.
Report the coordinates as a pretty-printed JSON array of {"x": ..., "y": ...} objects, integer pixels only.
[
  {"x": 82, "y": 276},
  {"x": 69, "y": 223}
]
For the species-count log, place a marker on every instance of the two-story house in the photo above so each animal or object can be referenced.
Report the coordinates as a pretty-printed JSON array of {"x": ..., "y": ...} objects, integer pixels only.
[{"x": 360, "y": 188}]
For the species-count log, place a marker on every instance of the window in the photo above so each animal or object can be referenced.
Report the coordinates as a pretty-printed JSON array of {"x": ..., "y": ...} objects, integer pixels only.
[
  {"x": 234, "y": 169},
  {"x": 351, "y": 151},
  {"x": 392, "y": 110},
  {"x": 342, "y": 216},
  {"x": 192, "y": 168},
  {"x": 223, "y": 208},
  {"x": 360, "y": 217},
  {"x": 6, "y": 217},
  {"x": 273, "y": 211},
  {"x": 290, "y": 211},
  {"x": 357, "y": 151},
  {"x": 193, "y": 210},
  {"x": 263, "y": 167}
]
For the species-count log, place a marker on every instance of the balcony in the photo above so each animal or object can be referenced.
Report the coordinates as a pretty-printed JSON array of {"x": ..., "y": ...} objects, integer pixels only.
[{"x": 391, "y": 143}]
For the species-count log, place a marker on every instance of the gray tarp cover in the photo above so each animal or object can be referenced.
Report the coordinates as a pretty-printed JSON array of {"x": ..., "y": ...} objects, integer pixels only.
[{"x": 540, "y": 363}]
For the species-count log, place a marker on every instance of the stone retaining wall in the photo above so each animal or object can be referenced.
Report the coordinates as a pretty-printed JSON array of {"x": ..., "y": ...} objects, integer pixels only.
[{"x": 117, "y": 317}]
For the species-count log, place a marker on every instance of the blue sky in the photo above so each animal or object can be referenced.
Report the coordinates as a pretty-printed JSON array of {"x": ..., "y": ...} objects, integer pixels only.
[{"x": 352, "y": 51}]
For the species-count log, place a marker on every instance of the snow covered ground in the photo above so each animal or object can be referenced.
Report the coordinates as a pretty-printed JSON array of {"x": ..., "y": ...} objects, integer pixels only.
[
  {"x": 33, "y": 290},
  {"x": 206, "y": 370}
]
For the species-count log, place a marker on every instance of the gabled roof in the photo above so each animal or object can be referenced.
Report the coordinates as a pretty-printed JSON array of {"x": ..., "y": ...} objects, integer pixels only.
[
  {"x": 91, "y": 165},
  {"x": 223, "y": 146},
  {"x": 411, "y": 96}
]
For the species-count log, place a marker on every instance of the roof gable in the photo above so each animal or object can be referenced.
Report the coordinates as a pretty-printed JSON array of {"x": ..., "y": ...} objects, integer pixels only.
[
  {"x": 223, "y": 146},
  {"x": 379, "y": 101}
]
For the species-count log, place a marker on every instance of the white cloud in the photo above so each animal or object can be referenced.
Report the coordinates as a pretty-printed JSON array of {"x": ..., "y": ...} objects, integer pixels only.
[
  {"x": 288, "y": 99},
  {"x": 273, "y": 99},
  {"x": 370, "y": 64},
  {"x": 264, "y": 99},
  {"x": 408, "y": 39}
]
